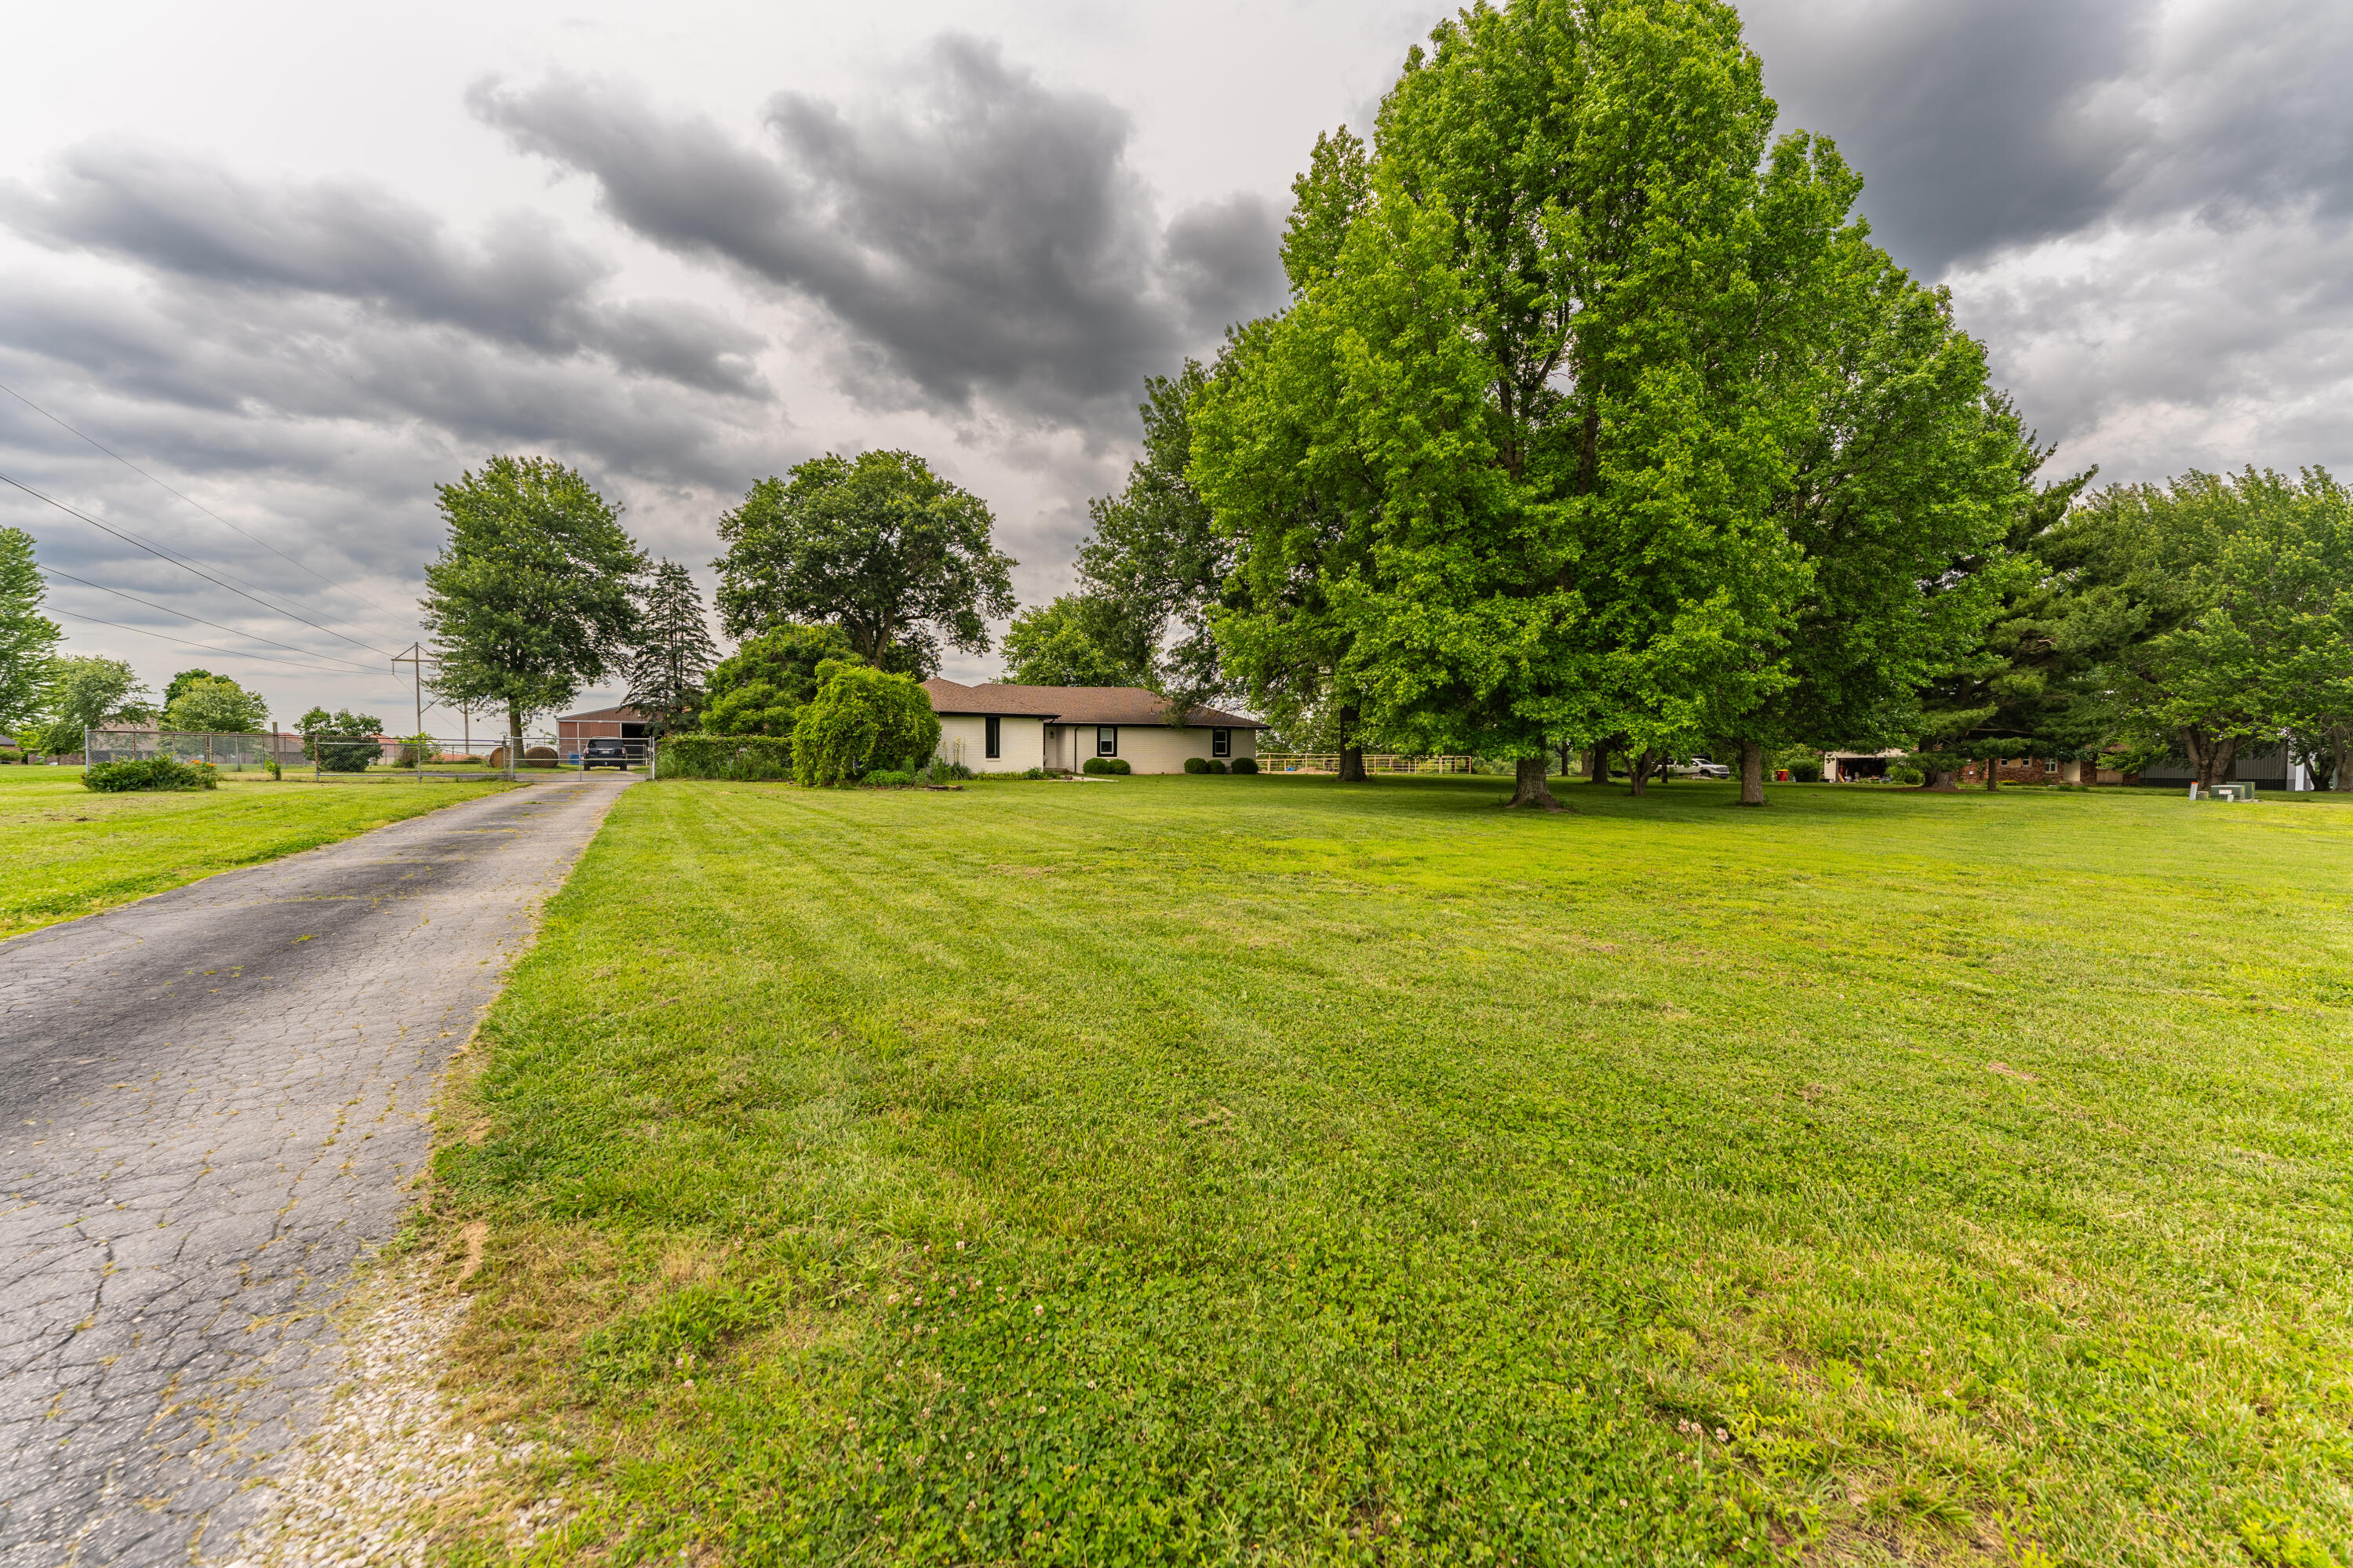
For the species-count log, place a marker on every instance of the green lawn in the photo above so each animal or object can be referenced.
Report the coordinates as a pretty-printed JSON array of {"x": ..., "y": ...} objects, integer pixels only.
[
  {"x": 1263, "y": 1169},
  {"x": 68, "y": 852}
]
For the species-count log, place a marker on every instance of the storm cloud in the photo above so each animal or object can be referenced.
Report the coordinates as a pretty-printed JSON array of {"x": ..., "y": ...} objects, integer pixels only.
[
  {"x": 981, "y": 238},
  {"x": 2143, "y": 210}
]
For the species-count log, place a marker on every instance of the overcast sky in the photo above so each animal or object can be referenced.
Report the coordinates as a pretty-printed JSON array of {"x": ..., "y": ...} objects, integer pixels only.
[{"x": 300, "y": 263}]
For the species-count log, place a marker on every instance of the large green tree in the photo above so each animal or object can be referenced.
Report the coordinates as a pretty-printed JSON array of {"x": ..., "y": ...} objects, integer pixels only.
[
  {"x": 761, "y": 688},
  {"x": 672, "y": 653},
  {"x": 1910, "y": 479},
  {"x": 213, "y": 702},
  {"x": 27, "y": 636},
  {"x": 534, "y": 594},
  {"x": 86, "y": 690},
  {"x": 1154, "y": 568},
  {"x": 899, "y": 558},
  {"x": 1559, "y": 372},
  {"x": 2233, "y": 599},
  {"x": 1299, "y": 510},
  {"x": 1080, "y": 640}
]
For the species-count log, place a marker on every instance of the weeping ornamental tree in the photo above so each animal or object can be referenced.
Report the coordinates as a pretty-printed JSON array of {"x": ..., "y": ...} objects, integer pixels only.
[
  {"x": 1551, "y": 442},
  {"x": 533, "y": 595}
]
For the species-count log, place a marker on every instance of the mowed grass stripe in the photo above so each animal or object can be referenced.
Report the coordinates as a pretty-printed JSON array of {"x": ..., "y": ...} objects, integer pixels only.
[{"x": 1371, "y": 1175}]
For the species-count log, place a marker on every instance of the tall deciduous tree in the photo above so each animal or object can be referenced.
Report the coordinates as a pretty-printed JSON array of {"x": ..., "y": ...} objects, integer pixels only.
[
  {"x": 2238, "y": 590},
  {"x": 673, "y": 652},
  {"x": 1909, "y": 479},
  {"x": 899, "y": 558},
  {"x": 1156, "y": 564},
  {"x": 533, "y": 595},
  {"x": 1558, "y": 374},
  {"x": 1300, "y": 510},
  {"x": 1080, "y": 640},
  {"x": 213, "y": 702},
  {"x": 182, "y": 681},
  {"x": 27, "y": 635},
  {"x": 86, "y": 690}
]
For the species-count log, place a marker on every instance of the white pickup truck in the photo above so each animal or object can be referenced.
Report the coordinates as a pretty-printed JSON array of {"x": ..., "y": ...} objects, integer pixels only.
[{"x": 1698, "y": 768}]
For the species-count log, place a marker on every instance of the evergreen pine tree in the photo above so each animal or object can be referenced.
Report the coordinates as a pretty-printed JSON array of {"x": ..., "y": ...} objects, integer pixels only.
[{"x": 673, "y": 652}]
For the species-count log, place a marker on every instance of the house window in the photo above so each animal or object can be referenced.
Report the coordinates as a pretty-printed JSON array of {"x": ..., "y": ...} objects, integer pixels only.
[
  {"x": 1221, "y": 743},
  {"x": 2049, "y": 767},
  {"x": 995, "y": 734},
  {"x": 1106, "y": 739}
]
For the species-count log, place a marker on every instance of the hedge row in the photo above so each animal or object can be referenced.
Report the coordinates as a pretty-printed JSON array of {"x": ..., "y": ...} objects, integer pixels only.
[{"x": 744, "y": 758}]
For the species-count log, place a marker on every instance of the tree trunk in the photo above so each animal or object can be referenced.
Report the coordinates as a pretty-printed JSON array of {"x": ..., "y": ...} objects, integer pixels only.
[
  {"x": 1993, "y": 773},
  {"x": 2341, "y": 764},
  {"x": 1567, "y": 757},
  {"x": 1528, "y": 785},
  {"x": 1646, "y": 763},
  {"x": 1598, "y": 760},
  {"x": 2210, "y": 760},
  {"x": 1945, "y": 780},
  {"x": 1351, "y": 750},
  {"x": 1752, "y": 772}
]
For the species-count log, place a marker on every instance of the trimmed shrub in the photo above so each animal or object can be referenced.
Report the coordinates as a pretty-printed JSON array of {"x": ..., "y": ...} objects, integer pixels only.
[
  {"x": 1196, "y": 764},
  {"x": 1216, "y": 766},
  {"x": 1806, "y": 773},
  {"x": 10, "y": 754},
  {"x": 1908, "y": 776},
  {"x": 150, "y": 772},
  {"x": 345, "y": 753},
  {"x": 745, "y": 759},
  {"x": 1100, "y": 766},
  {"x": 861, "y": 719},
  {"x": 1245, "y": 764}
]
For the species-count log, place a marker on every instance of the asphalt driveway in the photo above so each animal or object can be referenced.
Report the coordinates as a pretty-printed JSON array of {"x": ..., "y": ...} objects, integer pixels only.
[{"x": 211, "y": 1103}]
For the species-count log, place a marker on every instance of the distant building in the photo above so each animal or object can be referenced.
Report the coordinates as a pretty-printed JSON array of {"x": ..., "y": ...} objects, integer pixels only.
[
  {"x": 1009, "y": 729},
  {"x": 575, "y": 731}
]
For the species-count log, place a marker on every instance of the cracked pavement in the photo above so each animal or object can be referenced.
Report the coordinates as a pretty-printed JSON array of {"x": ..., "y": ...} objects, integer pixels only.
[{"x": 215, "y": 1100}]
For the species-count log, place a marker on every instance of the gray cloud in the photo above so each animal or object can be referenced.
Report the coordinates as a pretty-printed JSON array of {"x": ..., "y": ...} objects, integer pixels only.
[
  {"x": 521, "y": 285},
  {"x": 2142, "y": 209},
  {"x": 981, "y": 239}
]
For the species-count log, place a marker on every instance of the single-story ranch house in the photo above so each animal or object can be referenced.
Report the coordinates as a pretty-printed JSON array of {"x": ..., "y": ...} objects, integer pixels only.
[{"x": 1010, "y": 729}]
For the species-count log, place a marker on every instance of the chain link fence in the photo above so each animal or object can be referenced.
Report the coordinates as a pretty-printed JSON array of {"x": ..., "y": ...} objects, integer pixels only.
[{"x": 332, "y": 758}]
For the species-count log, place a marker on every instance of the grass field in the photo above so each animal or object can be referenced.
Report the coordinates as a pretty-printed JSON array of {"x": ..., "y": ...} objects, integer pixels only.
[
  {"x": 1233, "y": 1170},
  {"x": 69, "y": 852}
]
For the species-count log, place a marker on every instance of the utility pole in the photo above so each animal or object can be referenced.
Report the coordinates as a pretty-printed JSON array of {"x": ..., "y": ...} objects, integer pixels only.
[{"x": 415, "y": 659}]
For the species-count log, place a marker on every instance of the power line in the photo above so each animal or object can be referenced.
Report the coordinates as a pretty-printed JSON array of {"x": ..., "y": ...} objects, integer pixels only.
[
  {"x": 203, "y": 648},
  {"x": 200, "y": 505},
  {"x": 267, "y": 642},
  {"x": 185, "y": 566}
]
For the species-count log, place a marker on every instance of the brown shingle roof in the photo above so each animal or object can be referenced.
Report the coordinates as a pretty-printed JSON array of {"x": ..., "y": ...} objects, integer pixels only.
[{"x": 1074, "y": 704}]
